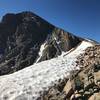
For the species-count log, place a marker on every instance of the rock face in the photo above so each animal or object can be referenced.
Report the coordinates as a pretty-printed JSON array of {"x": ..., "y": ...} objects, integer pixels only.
[{"x": 25, "y": 39}]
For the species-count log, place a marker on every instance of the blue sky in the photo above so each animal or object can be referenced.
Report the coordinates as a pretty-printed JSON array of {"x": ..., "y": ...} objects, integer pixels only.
[{"x": 81, "y": 17}]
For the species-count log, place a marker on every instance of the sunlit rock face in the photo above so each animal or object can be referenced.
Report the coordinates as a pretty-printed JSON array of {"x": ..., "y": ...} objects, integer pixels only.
[{"x": 25, "y": 38}]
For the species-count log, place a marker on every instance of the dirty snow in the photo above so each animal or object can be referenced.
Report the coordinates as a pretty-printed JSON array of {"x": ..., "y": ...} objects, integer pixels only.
[{"x": 27, "y": 83}]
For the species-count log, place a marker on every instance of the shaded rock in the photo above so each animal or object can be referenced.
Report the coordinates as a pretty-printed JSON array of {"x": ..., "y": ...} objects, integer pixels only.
[{"x": 21, "y": 38}]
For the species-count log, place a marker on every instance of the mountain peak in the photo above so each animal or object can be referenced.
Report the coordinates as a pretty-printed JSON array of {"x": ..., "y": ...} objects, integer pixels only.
[
  {"x": 40, "y": 61},
  {"x": 26, "y": 38}
]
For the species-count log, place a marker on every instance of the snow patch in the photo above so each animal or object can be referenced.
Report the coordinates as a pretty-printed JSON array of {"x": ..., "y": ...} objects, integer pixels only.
[
  {"x": 41, "y": 51},
  {"x": 42, "y": 48},
  {"x": 27, "y": 83}
]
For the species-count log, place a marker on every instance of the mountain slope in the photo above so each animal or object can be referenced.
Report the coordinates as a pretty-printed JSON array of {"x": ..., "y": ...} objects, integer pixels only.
[
  {"x": 31, "y": 82},
  {"x": 22, "y": 37},
  {"x": 39, "y": 61}
]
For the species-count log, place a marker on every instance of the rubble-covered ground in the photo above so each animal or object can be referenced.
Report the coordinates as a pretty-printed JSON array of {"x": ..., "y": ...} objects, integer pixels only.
[{"x": 82, "y": 85}]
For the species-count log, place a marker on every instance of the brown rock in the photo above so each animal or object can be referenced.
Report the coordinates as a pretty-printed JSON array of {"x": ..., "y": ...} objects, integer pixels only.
[
  {"x": 96, "y": 96},
  {"x": 97, "y": 76},
  {"x": 68, "y": 89},
  {"x": 92, "y": 97},
  {"x": 78, "y": 96}
]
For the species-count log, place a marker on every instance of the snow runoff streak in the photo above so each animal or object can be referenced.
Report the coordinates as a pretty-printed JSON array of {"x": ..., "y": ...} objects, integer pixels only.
[
  {"x": 41, "y": 51},
  {"x": 27, "y": 83}
]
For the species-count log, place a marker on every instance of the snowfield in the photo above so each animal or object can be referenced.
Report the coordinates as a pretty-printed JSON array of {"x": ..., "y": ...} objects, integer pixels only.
[{"x": 28, "y": 83}]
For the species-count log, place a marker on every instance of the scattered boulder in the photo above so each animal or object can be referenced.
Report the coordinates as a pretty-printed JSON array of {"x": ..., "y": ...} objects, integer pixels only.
[{"x": 84, "y": 84}]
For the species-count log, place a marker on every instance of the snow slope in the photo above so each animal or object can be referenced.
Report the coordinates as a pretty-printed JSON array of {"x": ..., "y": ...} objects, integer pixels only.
[{"x": 28, "y": 83}]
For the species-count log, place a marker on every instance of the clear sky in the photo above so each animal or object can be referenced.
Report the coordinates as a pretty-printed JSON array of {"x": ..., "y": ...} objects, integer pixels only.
[{"x": 81, "y": 17}]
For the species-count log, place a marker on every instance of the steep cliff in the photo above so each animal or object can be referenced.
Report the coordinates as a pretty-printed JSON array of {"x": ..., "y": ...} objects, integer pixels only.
[{"x": 25, "y": 39}]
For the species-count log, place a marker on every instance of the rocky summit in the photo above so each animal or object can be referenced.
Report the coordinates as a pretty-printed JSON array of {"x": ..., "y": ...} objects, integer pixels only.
[
  {"x": 25, "y": 39},
  {"x": 39, "y": 61}
]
